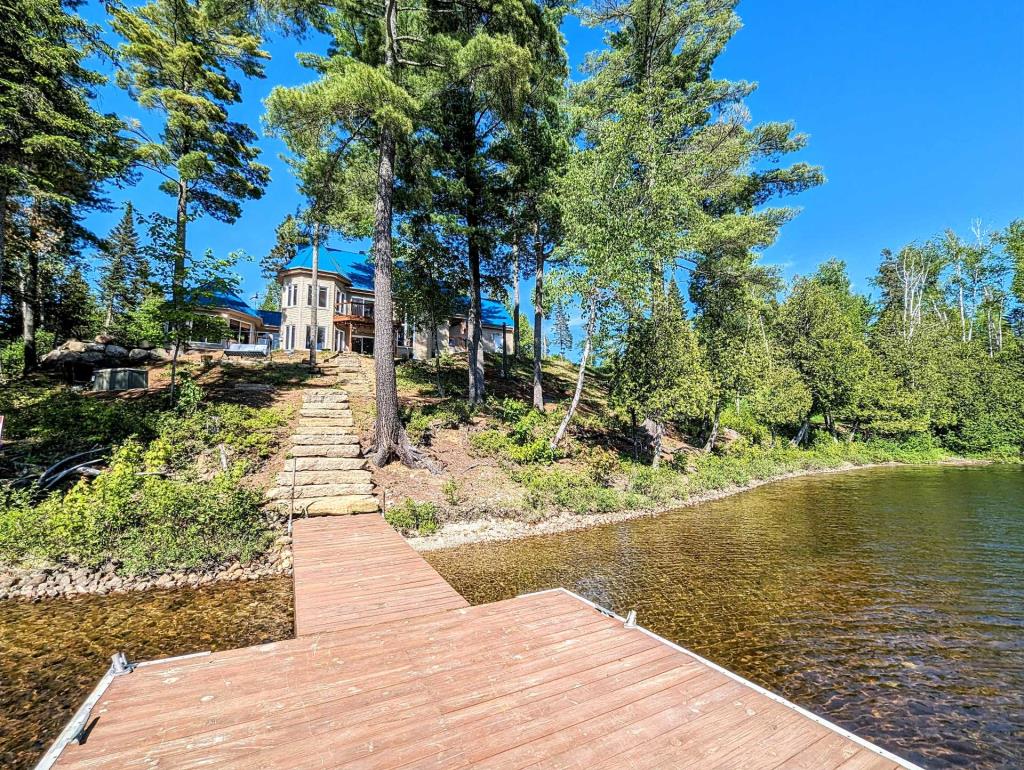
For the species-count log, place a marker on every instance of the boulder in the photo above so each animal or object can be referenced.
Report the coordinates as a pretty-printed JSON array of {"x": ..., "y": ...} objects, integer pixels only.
[
  {"x": 115, "y": 351},
  {"x": 104, "y": 339},
  {"x": 138, "y": 355},
  {"x": 75, "y": 346}
]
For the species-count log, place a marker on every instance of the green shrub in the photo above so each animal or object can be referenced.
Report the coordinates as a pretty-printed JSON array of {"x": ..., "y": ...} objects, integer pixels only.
[
  {"x": 150, "y": 524},
  {"x": 452, "y": 491},
  {"x": 12, "y": 355},
  {"x": 489, "y": 443},
  {"x": 603, "y": 465},
  {"x": 412, "y": 518}
]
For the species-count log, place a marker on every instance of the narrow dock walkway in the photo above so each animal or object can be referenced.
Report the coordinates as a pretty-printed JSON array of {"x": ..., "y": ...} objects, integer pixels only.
[
  {"x": 391, "y": 668},
  {"x": 356, "y": 571}
]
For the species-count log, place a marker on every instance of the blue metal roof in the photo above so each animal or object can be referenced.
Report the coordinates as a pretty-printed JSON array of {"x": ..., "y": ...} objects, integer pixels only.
[
  {"x": 270, "y": 317},
  {"x": 492, "y": 312},
  {"x": 355, "y": 267},
  {"x": 229, "y": 300}
]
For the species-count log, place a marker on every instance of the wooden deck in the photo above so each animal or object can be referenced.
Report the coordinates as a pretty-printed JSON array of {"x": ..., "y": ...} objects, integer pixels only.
[
  {"x": 355, "y": 571},
  {"x": 379, "y": 678}
]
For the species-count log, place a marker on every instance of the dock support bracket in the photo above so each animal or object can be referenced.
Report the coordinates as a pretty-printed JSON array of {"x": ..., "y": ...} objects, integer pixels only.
[
  {"x": 630, "y": 621},
  {"x": 119, "y": 666}
]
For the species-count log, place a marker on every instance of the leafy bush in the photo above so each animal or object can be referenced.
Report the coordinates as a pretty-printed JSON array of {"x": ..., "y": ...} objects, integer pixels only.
[
  {"x": 12, "y": 355},
  {"x": 602, "y": 464},
  {"x": 150, "y": 524},
  {"x": 412, "y": 518},
  {"x": 452, "y": 491}
]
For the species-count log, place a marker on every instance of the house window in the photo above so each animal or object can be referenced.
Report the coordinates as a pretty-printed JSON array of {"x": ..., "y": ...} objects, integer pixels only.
[
  {"x": 362, "y": 306},
  {"x": 309, "y": 295},
  {"x": 362, "y": 345},
  {"x": 289, "y": 337},
  {"x": 339, "y": 339},
  {"x": 322, "y": 297},
  {"x": 321, "y": 336},
  {"x": 339, "y": 302},
  {"x": 400, "y": 336},
  {"x": 240, "y": 331},
  {"x": 291, "y": 295}
]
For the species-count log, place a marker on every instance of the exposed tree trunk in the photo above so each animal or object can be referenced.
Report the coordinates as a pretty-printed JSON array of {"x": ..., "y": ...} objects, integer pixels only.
[
  {"x": 538, "y": 319},
  {"x": 801, "y": 435},
  {"x": 853, "y": 431},
  {"x": 314, "y": 331},
  {"x": 591, "y": 325},
  {"x": 389, "y": 436},
  {"x": 633, "y": 435},
  {"x": 29, "y": 280},
  {"x": 515, "y": 302},
  {"x": 656, "y": 430},
  {"x": 709, "y": 445}
]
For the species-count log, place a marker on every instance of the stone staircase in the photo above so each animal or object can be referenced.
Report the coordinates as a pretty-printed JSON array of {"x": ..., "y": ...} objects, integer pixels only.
[{"x": 325, "y": 473}]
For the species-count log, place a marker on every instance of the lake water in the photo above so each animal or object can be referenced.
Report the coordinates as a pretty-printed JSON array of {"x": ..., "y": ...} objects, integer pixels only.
[{"x": 889, "y": 600}]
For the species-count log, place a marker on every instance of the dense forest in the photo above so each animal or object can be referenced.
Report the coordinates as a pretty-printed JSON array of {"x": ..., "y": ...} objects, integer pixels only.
[{"x": 641, "y": 195}]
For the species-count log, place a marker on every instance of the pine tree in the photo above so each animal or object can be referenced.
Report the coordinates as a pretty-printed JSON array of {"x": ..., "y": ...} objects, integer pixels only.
[
  {"x": 288, "y": 239},
  {"x": 179, "y": 61},
  {"x": 124, "y": 276},
  {"x": 56, "y": 150},
  {"x": 562, "y": 330},
  {"x": 659, "y": 376}
]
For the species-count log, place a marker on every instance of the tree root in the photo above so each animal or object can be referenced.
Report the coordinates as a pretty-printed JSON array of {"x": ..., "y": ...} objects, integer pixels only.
[{"x": 410, "y": 455}]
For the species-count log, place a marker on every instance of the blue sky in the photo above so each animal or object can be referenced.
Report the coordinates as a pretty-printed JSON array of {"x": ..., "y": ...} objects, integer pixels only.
[{"x": 915, "y": 110}]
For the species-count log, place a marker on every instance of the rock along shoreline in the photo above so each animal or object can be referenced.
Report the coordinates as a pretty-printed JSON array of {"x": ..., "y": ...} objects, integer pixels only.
[{"x": 57, "y": 581}]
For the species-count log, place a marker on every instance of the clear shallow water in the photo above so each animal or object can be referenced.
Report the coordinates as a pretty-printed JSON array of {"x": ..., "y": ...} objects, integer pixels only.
[
  {"x": 889, "y": 600},
  {"x": 53, "y": 653}
]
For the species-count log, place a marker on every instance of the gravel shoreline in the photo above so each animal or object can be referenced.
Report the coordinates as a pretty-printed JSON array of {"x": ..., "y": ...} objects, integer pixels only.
[
  {"x": 57, "y": 580},
  {"x": 492, "y": 529}
]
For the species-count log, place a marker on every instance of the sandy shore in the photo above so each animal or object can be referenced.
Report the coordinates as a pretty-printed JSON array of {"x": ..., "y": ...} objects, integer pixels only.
[{"x": 489, "y": 530}]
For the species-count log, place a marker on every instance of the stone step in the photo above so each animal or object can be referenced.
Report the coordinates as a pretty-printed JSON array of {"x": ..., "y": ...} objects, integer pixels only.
[
  {"x": 325, "y": 430},
  {"x": 322, "y": 451},
  {"x": 341, "y": 506},
  {"x": 319, "y": 490},
  {"x": 324, "y": 464},
  {"x": 305, "y": 439},
  {"x": 344, "y": 422},
  {"x": 325, "y": 397},
  {"x": 305, "y": 478},
  {"x": 329, "y": 414}
]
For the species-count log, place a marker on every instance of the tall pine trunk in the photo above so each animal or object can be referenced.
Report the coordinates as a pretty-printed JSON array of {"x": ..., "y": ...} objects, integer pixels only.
[
  {"x": 591, "y": 325},
  {"x": 476, "y": 353},
  {"x": 178, "y": 278},
  {"x": 515, "y": 302},
  {"x": 538, "y": 319},
  {"x": 389, "y": 436}
]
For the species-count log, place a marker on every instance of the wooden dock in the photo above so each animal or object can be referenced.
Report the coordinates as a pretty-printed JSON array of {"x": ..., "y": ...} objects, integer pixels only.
[
  {"x": 390, "y": 668},
  {"x": 354, "y": 571}
]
